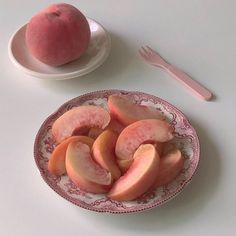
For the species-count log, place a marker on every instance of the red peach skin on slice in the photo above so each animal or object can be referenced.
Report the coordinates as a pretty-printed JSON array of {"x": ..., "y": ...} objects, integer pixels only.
[
  {"x": 79, "y": 118},
  {"x": 170, "y": 166},
  {"x": 127, "y": 112},
  {"x": 103, "y": 151},
  {"x": 56, "y": 164},
  {"x": 84, "y": 171},
  {"x": 143, "y": 131},
  {"x": 140, "y": 176}
]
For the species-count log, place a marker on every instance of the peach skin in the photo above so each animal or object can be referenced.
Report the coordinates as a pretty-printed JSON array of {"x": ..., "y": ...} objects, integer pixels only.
[{"x": 58, "y": 34}]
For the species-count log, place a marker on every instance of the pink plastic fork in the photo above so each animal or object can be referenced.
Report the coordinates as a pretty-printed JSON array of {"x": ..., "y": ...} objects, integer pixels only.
[{"x": 155, "y": 59}]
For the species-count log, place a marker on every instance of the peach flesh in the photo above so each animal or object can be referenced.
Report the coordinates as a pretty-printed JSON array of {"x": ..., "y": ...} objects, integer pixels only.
[
  {"x": 79, "y": 118},
  {"x": 143, "y": 131},
  {"x": 140, "y": 176},
  {"x": 171, "y": 165},
  {"x": 127, "y": 112},
  {"x": 103, "y": 151},
  {"x": 56, "y": 164},
  {"x": 94, "y": 132},
  {"x": 124, "y": 164},
  {"x": 84, "y": 171},
  {"x": 115, "y": 126}
]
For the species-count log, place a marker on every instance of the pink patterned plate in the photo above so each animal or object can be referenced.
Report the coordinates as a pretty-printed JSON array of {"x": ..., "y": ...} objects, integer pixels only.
[{"x": 185, "y": 138}]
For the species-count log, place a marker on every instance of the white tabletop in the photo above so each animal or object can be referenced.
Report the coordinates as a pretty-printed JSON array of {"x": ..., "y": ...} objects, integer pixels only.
[{"x": 197, "y": 36}]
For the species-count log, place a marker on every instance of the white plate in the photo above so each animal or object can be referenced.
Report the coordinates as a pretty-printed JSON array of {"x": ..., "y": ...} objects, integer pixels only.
[{"x": 96, "y": 54}]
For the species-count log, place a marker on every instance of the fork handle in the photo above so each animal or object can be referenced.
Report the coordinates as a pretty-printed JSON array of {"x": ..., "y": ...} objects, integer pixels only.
[{"x": 194, "y": 87}]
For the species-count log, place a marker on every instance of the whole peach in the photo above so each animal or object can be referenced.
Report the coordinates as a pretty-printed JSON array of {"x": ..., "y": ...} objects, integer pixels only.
[{"x": 58, "y": 34}]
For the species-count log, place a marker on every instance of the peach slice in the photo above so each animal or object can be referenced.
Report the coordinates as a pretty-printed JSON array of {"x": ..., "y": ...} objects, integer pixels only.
[
  {"x": 170, "y": 166},
  {"x": 103, "y": 151},
  {"x": 79, "y": 118},
  {"x": 127, "y": 112},
  {"x": 84, "y": 171},
  {"x": 160, "y": 146},
  {"x": 56, "y": 164},
  {"x": 140, "y": 176},
  {"x": 167, "y": 148},
  {"x": 115, "y": 126},
  {"x": 124, "y": 164},
  {"x": 94, "y": 132},
  {"x": 143, "y": 131}
]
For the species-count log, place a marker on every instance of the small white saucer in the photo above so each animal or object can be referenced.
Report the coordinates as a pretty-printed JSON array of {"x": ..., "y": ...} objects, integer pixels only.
[{"x": 96, "y": 54}]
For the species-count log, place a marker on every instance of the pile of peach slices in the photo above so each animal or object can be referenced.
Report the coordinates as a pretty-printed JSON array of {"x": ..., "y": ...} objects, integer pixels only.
[{"x": 122, "y": 152}]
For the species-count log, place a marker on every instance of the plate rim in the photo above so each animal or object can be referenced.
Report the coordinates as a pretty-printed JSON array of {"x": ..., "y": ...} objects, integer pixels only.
[
  {"x": 128, "y": 211},
  {"x": 59, "y": 76}
]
